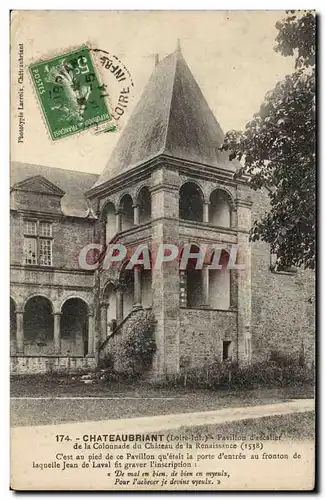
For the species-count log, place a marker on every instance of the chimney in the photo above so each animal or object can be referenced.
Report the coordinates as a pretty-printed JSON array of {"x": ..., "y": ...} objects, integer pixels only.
[{"x": 156, "y": 59}]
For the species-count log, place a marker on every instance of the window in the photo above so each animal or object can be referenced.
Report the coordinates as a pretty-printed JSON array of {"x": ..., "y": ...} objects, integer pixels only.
[
  {"x": 45, "y": 229},
  {"x": 226, "y": 350},
  {"x": 30, "y": 250},
  {"x": 38, "y": 242},
  {"x": 45, "y": 252},
  {"x": 30, "y": 227}
]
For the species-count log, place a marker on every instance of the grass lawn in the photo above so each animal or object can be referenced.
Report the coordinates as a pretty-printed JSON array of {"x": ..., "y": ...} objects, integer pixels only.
[
  {"x": 298, "y": 426},
  {"x": 56, "y": 386},
  {"x": 124, "y": 400}
]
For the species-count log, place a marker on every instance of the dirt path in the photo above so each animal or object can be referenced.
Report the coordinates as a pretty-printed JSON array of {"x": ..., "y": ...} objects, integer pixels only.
[{"x": 176, "y": 421}]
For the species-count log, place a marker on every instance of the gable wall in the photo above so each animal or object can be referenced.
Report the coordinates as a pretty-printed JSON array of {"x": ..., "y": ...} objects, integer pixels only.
[
  {"x": 283, "y": 316},
  {"x": 28, "y": 200}
]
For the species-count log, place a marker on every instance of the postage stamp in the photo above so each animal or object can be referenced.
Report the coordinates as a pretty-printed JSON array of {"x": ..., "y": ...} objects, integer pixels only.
[{"x": 70, "y": 93}]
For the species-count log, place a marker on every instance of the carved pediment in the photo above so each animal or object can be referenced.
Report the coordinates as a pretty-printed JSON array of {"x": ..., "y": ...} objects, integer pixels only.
[{"x": 38, "y": 184}]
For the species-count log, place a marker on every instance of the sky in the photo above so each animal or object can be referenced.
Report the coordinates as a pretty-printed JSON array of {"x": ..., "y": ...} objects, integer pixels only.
[{"x": 230, "y": 54}]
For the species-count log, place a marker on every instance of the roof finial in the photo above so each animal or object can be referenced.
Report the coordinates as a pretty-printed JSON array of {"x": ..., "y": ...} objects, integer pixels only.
[
  {"x": 178, "y": 46},
  {"x": 156, "y": 59}
]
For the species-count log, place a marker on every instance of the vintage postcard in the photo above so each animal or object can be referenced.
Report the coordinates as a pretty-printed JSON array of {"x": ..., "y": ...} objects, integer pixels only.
[{"x": 162, "y": 304}]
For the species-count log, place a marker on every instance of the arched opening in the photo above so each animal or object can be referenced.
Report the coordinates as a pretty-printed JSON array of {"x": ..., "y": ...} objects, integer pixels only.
[
  {"x": 127, "y": 282},
  {"x": 110, "y": 296},
  {"x": 219, "y": 283},
  {"x": 38, "y": 326},
  {"x": 136, "y": 287},
  {"x": 74, "y": 328},
  {"x": 146, "y": 285},
  {"x": 13, "y": 326},
  {"x": 191, "y": 283},
  {"x": 219, "y": 209},
  {"x": 144, "y": 202},
  {"x": 126, "y": 208},
  {"x": 109, "y": 219},
  {"x": 191, "y": 202}
]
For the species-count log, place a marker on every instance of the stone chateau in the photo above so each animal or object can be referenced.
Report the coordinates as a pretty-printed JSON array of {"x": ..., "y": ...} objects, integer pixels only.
[{"x": 165, "y": 182}]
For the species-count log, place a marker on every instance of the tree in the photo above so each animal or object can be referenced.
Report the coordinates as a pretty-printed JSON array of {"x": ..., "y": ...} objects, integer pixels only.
[{"x": 277, "y": 149}]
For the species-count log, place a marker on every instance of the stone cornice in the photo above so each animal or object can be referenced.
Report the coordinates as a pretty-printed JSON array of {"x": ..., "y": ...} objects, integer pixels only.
[
  {"x": 131, "y": 231},
  {"x": 142, "y": 171},
  {"x": 211, "y": 241},
  {"x": 159, "y": 219},
  {"x": 210, "y": 309},
  {"x": 51, "y": 215},
  {"x": 52, "y": 285},
  {"x": 136, "y": 174},
  {"x": 244, "y": 203},
  {"x": 136, "y": 241},
  {"x": 50, "y": 269},
  {"x": 38, "y": 214},
  {"x": 205, "y": 226},
  {"x": 164, "y": 186},
  {"x": 195, "y": 225}
]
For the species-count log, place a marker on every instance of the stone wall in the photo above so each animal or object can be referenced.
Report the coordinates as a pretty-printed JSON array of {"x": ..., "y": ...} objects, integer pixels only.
[
  {"x": 28, "y": 365},
  {"x": 283, "y": 314},
  {"x": 57, "y": 286},
  {"x": 202, "y": 332},
  {"x": 70, "y": 236},
  {"x": 57, "y": 283},
  {"x": 73, "y": 346}
]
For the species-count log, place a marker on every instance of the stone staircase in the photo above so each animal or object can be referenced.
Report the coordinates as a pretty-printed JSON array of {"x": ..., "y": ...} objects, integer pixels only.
[{"x": 112, "y": 350}]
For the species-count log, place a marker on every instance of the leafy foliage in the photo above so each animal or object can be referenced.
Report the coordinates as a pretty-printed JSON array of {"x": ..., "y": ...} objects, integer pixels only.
[
  {"x": 297, "y": 37},
  {"x": 277, "y": 149},
  {"x": 131, "y": 348},
  {"x": 140, "y": 346},
  {"x": 277, "y": 371}
]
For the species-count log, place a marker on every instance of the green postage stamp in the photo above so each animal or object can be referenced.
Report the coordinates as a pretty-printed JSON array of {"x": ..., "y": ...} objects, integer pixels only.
[{"x": 70, "y": 93}]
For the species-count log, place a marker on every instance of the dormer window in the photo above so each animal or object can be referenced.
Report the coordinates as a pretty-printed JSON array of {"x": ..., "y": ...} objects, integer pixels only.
[{"x": 37, "y": 243}]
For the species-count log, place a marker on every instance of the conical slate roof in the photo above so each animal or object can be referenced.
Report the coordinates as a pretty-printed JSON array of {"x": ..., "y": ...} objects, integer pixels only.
[{"x": 172, "y": 117}]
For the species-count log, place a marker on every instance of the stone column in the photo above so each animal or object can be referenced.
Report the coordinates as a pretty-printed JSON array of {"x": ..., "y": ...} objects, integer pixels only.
[
  {"x": 165, "y": 183},
  {"x": 118, "y": 221},
  {"x": 205, "y": 285},
  {"x": 57, "y": 332},
  {"x": 102, "y": 233},
  {"x": 119, "y": 305},
  {"x": 136, "y": 215},
  {"x": 137, "y": 288},
  {"x": 244, "y": 285},
  {"x": 206, "y": 211},
  {"x": 20, "y": 331},
  {"x": 233, "y": 218},
  {"x": 233, "y": 289},
  {"x": 90, "y": 334},
  {"x": 103, "y": 320}
]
